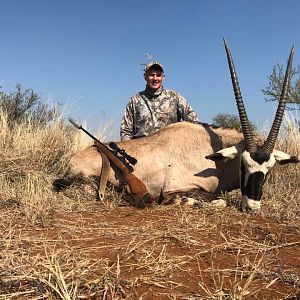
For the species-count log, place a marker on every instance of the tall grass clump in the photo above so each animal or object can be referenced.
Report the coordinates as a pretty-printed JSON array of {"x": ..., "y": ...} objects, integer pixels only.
[
  {"x": 32, "y": 154},
  {"x": 281, "y": 198}
]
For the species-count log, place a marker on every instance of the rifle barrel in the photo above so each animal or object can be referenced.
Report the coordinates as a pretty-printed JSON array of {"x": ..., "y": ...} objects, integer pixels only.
[{"x": 75, "y": 123}]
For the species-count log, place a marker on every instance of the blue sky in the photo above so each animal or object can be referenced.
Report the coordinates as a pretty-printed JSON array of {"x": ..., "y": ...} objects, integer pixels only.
[{"x": 88, "y": 53}]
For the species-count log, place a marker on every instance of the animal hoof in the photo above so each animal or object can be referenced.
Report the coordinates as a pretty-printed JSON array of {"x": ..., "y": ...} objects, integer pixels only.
[{"x": 145, "y": 202}]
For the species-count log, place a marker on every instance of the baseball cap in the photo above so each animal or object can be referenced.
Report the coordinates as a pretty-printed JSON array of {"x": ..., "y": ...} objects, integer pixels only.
[{"x": 152, "y": 64}]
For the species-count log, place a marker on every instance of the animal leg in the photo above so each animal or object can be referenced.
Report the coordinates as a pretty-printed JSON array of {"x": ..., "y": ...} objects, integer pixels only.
[{"x": 103, "y": 176}]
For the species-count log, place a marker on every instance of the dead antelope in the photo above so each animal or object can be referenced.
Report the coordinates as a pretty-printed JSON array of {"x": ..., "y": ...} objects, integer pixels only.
[{"x": 179, "y": 159}]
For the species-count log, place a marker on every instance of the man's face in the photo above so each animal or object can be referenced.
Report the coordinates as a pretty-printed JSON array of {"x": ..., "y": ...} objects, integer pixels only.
[{"x": 154, "y": 78}]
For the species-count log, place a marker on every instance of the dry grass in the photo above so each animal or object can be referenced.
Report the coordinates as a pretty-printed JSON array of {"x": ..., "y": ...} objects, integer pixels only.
[
  {"x": 81, "y": 258},
  {"x": 31, "y": 157},
  {"x": 281, "y": 193},
  {"x": 67, "y": 246}
]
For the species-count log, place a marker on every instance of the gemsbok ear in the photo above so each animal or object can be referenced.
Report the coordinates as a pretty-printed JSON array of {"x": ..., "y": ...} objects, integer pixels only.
[
  {"x": 283, "y": 158},
  {"x": 226, "y": 153},
  {"x": 293, "y": 160},
  {"x": 215, "y": 157}
]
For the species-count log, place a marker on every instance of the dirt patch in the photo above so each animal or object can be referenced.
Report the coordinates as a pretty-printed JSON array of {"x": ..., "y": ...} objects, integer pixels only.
[{"x": 159, "y": 253}]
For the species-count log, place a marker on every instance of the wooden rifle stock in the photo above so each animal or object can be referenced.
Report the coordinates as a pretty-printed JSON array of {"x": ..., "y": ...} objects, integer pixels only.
[{"x": 138, "y": 190}]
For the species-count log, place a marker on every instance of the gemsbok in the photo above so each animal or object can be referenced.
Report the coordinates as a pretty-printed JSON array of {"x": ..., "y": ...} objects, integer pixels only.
[{"x": 185, "y": 157}]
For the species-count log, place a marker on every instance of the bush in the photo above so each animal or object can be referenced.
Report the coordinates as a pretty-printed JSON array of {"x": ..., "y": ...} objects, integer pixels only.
[
  {"x": 20, "y": 105},
  {"x": 230, "y": 121}
]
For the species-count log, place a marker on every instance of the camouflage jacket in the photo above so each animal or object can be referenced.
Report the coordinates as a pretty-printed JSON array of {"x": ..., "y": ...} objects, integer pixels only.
[{"x": 146, "y": 113}]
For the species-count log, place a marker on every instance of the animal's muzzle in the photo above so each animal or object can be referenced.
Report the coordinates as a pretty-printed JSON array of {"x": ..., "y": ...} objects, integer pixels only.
[{"x": 254, "y": 186}]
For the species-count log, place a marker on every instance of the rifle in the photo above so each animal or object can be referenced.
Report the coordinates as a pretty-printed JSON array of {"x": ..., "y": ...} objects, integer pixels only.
[{"x": 138, "y": 190}]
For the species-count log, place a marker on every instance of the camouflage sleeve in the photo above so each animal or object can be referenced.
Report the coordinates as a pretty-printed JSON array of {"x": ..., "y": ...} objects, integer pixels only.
[
  {"x": 126, "y": 130},
  {"x": 186, "y": 113}
]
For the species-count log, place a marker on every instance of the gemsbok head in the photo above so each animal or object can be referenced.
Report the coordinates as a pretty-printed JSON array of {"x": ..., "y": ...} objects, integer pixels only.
[{"x": 256, "y": 160}]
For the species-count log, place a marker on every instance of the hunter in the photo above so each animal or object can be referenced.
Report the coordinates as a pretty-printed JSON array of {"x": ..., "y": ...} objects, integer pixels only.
[{"x": 155, "y": 107}]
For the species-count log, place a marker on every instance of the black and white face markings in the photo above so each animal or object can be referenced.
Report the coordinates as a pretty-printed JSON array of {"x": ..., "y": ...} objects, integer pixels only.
[{"x": 254, "y": 169}]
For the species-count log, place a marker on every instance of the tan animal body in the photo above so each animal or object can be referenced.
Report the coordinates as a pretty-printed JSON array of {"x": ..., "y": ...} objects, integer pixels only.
[{"x": 172, "y": 160}]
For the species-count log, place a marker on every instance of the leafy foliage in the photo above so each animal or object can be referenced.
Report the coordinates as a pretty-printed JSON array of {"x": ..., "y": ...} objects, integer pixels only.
[
  {"x": 230, "y": 121},
  {"x": 23, "y": 105},
  {"x": 273, "y": 90}
]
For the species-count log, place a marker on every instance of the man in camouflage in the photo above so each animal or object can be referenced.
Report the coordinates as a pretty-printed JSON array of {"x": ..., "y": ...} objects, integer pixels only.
[{"x": 155, "y": 107}]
